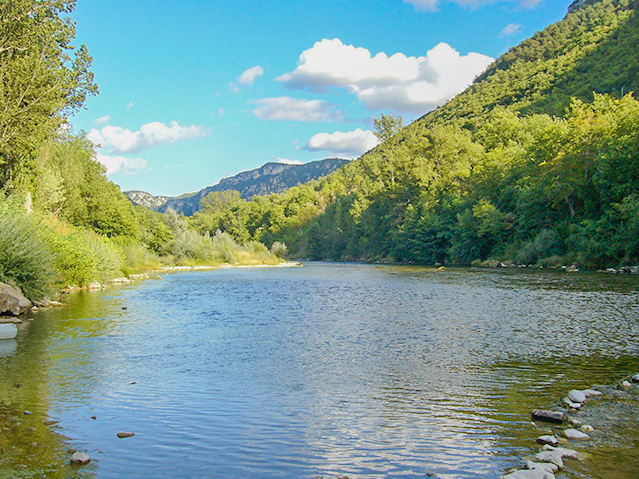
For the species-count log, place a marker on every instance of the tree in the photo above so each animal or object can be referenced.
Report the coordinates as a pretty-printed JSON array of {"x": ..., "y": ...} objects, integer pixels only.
[
  {"x": 387, "y": 126},
  {"x": 43, "y": 78}
]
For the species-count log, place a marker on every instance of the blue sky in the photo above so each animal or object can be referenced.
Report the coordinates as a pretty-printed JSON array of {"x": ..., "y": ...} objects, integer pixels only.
[{"x": 194, "y": 91}]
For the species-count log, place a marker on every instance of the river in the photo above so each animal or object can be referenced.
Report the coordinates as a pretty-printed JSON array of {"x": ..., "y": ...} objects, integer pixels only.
[{"x": 329, "y": 369}]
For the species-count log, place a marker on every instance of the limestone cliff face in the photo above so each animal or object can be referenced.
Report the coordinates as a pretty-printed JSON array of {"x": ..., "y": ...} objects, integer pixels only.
[{"x": 270, "y": 178}]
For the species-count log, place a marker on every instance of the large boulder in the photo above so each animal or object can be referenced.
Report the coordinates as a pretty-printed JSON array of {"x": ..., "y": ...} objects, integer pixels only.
[{"x": 12, "y": 300}]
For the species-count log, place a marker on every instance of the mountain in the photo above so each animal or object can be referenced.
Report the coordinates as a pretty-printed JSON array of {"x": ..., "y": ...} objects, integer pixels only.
[
  {"x": 270, "y": 178},
  {"x": 537, "y": 162}
]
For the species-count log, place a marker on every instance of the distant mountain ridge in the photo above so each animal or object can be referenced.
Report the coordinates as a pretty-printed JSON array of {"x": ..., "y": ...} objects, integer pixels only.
[{"x": 269, "y": 178}]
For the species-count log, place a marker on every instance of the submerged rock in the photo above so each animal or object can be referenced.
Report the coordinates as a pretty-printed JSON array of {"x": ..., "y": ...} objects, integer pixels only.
[
  {"x": 549, "y": 416},
  {"x": 546, "y": 466},
  {"x": 8, "y": 331},
  {"x": 123, "y": 434},
  {"x": 552, "y": 440},
  {"x": 80, "y": 459},
  {"x": 12, "y": 300},
  {"x": 575, "y": 434},
  {"x": 565, "y": 452},
  {"x": 635, "y": 378},
  {"x": 573, "y": 405},
  {"x": 577, "y": 396},
  {"x": 591, "y": 393},
  {"x": 587, "y": 428},
  {"x": 537, "y": 473},
  {"x": 553, "y": 457}
]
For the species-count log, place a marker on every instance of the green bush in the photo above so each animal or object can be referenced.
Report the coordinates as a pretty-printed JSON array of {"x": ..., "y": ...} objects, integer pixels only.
[
  {"x": 25, "y": 260},
  {"x": 279, "y": 249}
]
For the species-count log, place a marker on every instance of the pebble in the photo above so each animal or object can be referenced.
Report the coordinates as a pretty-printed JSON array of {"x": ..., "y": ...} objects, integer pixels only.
[
  {"x": 552, "y": 440},
  {"x": 565, "y": 452},
  {"x": 551, "y": 456},
  {"x": 577, "y": 396},
  {"x": 51, "y": 423},
  {"x": 587, "y": 428},
  {"x": 94, "y": 417},
  {"x": 27, "y": 413},
  {"x": 626, "y": 384},
  {"x": 635, "y": 378},
  {"x": 536, "y": 473},
  {"x": 591, "y": 393},
  {"x": 80, "y": 458},
  {"x": 547, "y": 466},
  {"x": 570, "y": 404},
  {"x": 575, "y": 434},
  {"x": 123, "y": 434}
]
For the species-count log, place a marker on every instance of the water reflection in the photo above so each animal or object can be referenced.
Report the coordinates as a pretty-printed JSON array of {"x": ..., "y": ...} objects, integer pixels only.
[{"x": 360, "y": 370}]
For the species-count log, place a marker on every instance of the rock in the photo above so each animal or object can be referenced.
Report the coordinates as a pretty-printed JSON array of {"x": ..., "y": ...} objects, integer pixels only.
[
  {"x": 574, "y": 422},
  {"x": 12, "y": 300},
  {"x": 591, "y": 393},
  {"x": 10, "y": 319},
  {"x": 94, "y": 417},
  {"x": 626, "y": 384},
  {"x": 537, "y": 473},
  {"x": 549, "y": 416},
  {"x": 569, "y": 453},
  {"x": 635, "y": 378},
  {"x": 123, "y": 434},
  {"x": 587, "y": 428},
  {"x": 573, "y": 405},
  {"x": 94, "y": 285},
  {"x": 71, "y": 451},
  {"x": 551, "y": 456},
  {"x": 27, "y": 413},
  {"x": 575, "y": 434},
  {"x": 8, "y": 331},
  {"x": 552, "y": 440},
  {"x": 80, "y": 459},
  {"x": 51, "y": 423},
  {"x": 547, "y": 466},
  {"x": 577, "y": 396}
]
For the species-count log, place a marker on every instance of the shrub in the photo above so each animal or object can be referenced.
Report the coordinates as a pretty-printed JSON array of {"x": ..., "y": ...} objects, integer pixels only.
[{"x": 279, "y": 249}]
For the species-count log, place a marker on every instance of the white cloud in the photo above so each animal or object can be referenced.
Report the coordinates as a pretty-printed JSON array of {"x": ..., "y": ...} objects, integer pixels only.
[
  {"x": 431, "y": 5},
  {"x": 510, "y": 29},
  {"x": 346, "y": 144},
  {"x": 129, "y": 166},
  {"x": 287, "y": 108},
  {"x": 103, "y": 120},
  {"x": 130, "y": 105},
  {"x": 115, "y": 139},
  {"x": 250, "y": 75},
  {"x": 405, "y": 84},
  {"x": 286, "y": 161}
]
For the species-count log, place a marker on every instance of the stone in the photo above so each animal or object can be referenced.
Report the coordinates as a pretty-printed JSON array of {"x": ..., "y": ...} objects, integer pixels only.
[
  {"x": 587, "y": 428},
  {"x": 591, "y": 393},
  {"x": 80, "y": 459},
  {"x": 28, "y": 413},
  {"x": 573, "y": 405},
  {"x": 10, "y": 319},
  {"x": 549, "y": 416},
  {"x": 553, "y": 457},
  {"x": 626, "y": 384},
  {"x": 552, "y": 440},
  {"x": 547, "y": 466},
  {"x": 577, "y": 396},
  {"x": 575, "y": 434},
  {"x": 635, "y": 378},
  {"x": 565, "y": 452},
  {"x": 8, "y": 331},
  {"x": 12, "y": 300},
  {"x": 537, "y": 473},
  {"x": 574, "y": 422},
  {"x": 123, "y": 434}
]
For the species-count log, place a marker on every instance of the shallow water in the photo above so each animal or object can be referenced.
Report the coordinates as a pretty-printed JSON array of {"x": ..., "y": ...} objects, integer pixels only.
[{"x": 358, "y": 370}]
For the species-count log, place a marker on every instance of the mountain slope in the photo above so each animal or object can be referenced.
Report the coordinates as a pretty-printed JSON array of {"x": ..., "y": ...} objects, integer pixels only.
[
  {"x": 270, "y": 178},
  {"x": 514, "y": 169}
]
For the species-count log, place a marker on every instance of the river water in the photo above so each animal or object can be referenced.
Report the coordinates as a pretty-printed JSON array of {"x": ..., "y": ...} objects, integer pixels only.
[{"x": 329, "y": 369}]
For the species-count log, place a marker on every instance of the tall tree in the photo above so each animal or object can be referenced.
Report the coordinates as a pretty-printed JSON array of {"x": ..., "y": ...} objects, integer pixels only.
[{"x": 43, "y": 79}]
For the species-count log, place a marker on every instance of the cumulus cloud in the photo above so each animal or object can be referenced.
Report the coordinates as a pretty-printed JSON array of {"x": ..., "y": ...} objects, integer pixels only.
[
  {"x": 115, "y": 139},
  {"x": 405, "y": 84},
  {"x": 349, "y": 144},
  {"x": 431, "y": 5},
  {"x": 286, "y": 161},
  {"x": 287, "y": 108},
  {"x": 129, "y": 166},
  {"x": 250, "y": 75},
  {"x": 509, "y": 30}
]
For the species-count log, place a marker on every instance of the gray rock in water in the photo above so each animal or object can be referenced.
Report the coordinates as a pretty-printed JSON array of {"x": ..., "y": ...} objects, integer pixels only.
[
  {"x": 635, "y": 378},
  {"x": 552, "y": 440},
  {"x": 577, "y": 396},
  {"x": 8, "y": 331},
  {"x": 537, "y": 473},
  {"x": 591, "y": 393},
  {"x": 123, "y": 434},
  {"x": 547, "y": 466},
  {"x": 565, "y": 452},
  {"x": 575, "y": 434},
  {"x": 573, "y": 405},
  {"x": 12, "y": 300},
  {"x": 80, "y": 458},
  {"x": 551, "y": 456}
]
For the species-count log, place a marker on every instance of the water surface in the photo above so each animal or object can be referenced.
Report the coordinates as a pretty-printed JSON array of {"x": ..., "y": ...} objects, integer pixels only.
[{"x": 358, "y": 370}]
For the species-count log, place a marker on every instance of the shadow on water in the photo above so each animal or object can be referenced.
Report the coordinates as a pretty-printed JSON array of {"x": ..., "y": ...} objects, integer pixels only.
[{"x": 367, "y": 371}]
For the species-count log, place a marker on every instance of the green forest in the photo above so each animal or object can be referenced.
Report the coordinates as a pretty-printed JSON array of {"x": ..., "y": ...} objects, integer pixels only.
[
  {"x": 537, "y": 163},
  {"x": 62, "y": 222}
]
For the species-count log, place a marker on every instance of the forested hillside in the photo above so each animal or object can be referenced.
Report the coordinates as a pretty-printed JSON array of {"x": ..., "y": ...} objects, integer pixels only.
[
  {"x": 62, "y": 222},
  {"x": 536, "y": 163}
]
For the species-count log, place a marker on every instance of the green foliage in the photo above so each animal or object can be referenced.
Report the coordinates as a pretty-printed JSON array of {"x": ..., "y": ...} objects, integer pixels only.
[
  {"x": 279, "y": 249},
  {"x": 25, "y": 260}
]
